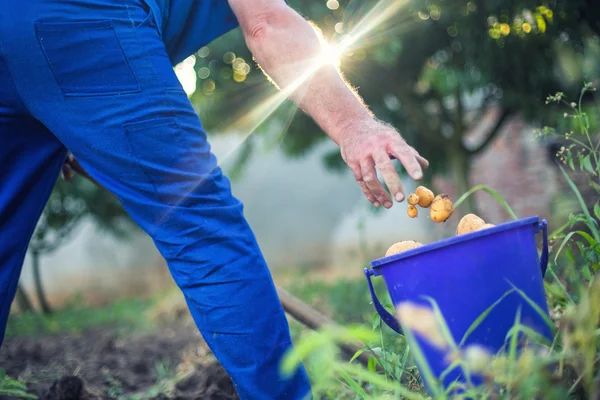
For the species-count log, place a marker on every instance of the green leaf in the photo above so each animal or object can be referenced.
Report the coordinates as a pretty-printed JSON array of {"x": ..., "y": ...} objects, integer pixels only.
[
  {"x": 570, "y": 159},
  {"x": 570, "y": 255},
  {"x": 357, "y": 354},
  {"x": 597, "y": 210},
  {"x": 587, "y": 165},
  {"x": 376, "y": 321},
  {"x": 371, "y": 364}
]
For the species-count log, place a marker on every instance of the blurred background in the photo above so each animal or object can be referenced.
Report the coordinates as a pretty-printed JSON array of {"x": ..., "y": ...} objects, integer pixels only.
[{"x": 465, "y": 82}]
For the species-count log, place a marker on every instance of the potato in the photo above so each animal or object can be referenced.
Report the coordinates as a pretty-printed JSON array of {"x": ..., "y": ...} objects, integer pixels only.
[
  {"x": 441, "y": 208},
  {"x": 425, "y": 196},
  {"x": 405, "y": 245},
  {"x": 412, "y": 211},
  {"x": 413, "y": 199},
  {"x": 469, "y": 223},
  {"x": 487, "y": 226}
]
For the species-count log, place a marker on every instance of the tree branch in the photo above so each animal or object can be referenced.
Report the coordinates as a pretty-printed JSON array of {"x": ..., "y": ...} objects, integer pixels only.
[
  {"x": 493, "y": 133},
  {"x": 459, "y": 123}
]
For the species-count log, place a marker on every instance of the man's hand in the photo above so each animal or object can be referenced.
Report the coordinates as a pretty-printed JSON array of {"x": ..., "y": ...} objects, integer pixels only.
[
  {"x": 286, "y": 47},
  {"x": 368, "y": 146}
]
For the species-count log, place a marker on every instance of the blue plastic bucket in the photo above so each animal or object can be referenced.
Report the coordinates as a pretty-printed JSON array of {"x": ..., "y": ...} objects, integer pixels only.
[{"x": 465, "y": 275}]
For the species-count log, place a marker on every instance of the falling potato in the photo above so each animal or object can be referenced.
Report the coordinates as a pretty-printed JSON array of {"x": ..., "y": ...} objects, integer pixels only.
[
  {"x": 413, "y": 199},
  {"x": 412, "y": 211},
  {"x": 402, "y": 246},
  {"x": 425, "y": 196},
  {"x": 441, "y": 208},
  {"x": 469, "y": 223}
]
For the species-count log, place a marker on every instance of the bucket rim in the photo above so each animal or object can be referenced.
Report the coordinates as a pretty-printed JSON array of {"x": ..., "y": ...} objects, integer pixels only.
[{"x": 383, "y": 261}]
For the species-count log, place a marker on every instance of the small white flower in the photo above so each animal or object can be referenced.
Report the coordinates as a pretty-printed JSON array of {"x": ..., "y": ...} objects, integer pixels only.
[
  {"x": 573, "y": 105},
  {"x": 477, "y": 358}
]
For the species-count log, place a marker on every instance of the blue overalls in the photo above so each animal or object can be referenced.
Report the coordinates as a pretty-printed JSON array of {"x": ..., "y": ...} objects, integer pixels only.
[{"x": 96, "y": 77}]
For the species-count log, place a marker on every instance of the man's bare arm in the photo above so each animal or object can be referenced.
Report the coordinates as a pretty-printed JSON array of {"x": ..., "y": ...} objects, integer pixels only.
[{"x": 287, "y": 48}]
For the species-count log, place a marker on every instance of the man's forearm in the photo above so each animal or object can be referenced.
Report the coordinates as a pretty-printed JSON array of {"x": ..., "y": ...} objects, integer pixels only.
[{"x": 289, "y": 51}]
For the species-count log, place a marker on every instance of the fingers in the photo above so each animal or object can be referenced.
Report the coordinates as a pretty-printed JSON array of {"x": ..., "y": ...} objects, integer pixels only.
[
  {"x": 384, "y": 163},
  {"x": 358, "y": 176},
  {"x": 369, "y": 176},
  {"x": 422, "y": 161},
  {"x": 404, "y": 153}
]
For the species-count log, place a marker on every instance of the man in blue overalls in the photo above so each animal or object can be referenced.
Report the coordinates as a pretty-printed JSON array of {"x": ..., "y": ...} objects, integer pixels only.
[{"x": 95, "y": 77}]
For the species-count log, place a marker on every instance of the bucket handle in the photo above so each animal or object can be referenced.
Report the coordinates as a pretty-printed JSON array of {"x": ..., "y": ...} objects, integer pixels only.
[
  {"x": 545, "y": 255},
  {"x": 383, "y": 313}
]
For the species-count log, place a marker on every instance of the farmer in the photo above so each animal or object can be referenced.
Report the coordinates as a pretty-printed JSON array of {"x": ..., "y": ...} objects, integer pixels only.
[{"x": 95, "y": 77}]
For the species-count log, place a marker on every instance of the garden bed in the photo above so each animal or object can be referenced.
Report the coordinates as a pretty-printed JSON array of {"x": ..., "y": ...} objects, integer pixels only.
[{"x": 97, "y": 364}]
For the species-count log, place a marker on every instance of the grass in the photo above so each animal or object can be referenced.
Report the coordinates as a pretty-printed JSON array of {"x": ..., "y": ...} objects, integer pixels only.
[{"x": 124, "y": 316}]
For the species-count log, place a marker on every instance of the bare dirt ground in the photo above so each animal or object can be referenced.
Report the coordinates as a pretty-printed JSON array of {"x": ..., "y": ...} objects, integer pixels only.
[{"x": 172, "y": 363}]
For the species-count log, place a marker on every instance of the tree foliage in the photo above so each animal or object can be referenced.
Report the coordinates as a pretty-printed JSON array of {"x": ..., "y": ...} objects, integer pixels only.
[{"x": 431, "y": 69}]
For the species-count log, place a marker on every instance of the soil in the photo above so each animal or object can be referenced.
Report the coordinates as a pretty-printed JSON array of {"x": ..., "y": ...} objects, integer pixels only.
[{"x": 99, "y": 365}]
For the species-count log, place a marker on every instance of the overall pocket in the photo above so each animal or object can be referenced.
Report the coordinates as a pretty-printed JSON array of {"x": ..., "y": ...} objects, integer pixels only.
[
  {"x": 166, "y": 158},
  {"x": 86, "y": 58}
]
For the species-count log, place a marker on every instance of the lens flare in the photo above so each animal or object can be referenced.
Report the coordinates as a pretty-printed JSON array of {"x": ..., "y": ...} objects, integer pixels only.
[{"x": 376, "y": 26}]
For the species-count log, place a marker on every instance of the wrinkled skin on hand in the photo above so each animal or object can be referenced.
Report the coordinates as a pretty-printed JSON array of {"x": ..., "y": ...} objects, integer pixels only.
[{"x": 370, "y": 145}]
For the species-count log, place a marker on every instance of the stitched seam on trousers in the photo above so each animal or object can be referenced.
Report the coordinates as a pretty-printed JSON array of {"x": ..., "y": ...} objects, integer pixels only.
[
  {"x": 12, "y": 81},
  {"x": 47, "y": 191},
  {"x": 149, "y": 61}
]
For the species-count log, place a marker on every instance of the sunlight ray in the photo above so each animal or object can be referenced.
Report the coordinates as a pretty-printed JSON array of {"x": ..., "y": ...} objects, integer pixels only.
[{"x": 250, "y": 120}]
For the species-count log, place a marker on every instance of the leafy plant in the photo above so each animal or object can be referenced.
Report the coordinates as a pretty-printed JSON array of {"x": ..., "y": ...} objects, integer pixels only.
[{"x": 12, "y": 387}]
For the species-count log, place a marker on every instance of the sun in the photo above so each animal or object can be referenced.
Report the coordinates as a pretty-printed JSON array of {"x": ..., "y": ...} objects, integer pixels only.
[{"x": 331, "y": 54}]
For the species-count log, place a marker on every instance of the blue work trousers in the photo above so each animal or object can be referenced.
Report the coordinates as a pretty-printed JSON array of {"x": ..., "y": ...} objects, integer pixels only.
[{"x": 93, "y": 77}]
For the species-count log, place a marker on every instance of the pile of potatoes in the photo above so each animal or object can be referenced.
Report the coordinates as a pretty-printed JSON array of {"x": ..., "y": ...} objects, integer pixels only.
[
  {"x": 440, "y": 206},
  {"x": 440, "y": 209}
]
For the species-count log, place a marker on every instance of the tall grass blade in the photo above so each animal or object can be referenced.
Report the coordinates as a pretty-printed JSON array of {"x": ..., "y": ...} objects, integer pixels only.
[
  {"x": 491, "y": 192},
  {"x": 482, "y": 316},
  {"x": 403, "y": 362},
  {"x": 442, "y": 321},
  {"x": 536, "y": 308},
  {"x": 590, "y": 220},
  {"x": 355, "y": 386},
  {"x": 568, "y": 237}
]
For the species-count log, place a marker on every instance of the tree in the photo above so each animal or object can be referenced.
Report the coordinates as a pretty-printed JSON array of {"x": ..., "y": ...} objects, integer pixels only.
[{"x": 433, "y": 70}]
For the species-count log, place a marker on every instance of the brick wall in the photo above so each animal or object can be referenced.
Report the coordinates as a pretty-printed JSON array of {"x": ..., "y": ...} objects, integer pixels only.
[{"x": 516, "y": 165}]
